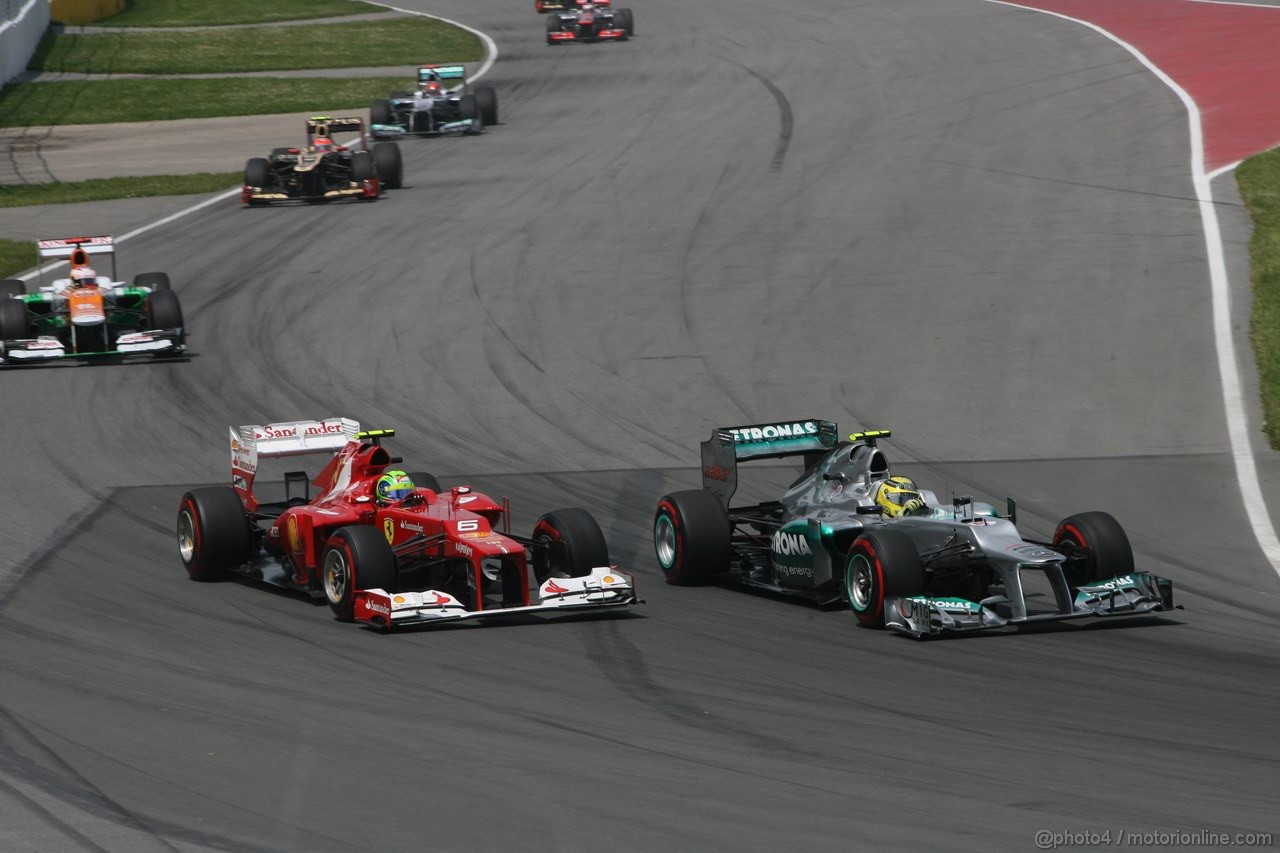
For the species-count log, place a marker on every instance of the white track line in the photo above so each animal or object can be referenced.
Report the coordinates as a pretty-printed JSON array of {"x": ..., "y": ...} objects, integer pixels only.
[
  {"x": 491, "y": 56},
  {"x": 1255, "y": 504}
]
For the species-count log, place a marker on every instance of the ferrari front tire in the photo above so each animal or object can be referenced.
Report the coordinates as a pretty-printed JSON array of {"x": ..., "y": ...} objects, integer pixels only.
[
  {"x": 691, "y": 537},
  {"x": 574, "y": 544},
  {"x": 355, "y": 558},
  {"x": 213, "y": 532},
  {"x": 881, "y": 564}
]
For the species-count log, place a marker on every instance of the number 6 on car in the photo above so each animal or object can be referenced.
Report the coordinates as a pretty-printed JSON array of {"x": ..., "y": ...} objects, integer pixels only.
[{"x": 384, "y": 546}]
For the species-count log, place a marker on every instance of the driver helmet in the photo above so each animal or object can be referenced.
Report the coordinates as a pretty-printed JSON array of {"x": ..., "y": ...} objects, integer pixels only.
[
  {"x": 392, "y": 486},
  {"x": 83, "y": 277},
  {"x": 432, "y": 89},
  {"x": 323, "y": 143},
  {"x": 898, "y": 496}
]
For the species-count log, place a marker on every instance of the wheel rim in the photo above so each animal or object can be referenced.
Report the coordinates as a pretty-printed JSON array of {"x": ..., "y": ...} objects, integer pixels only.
[
  {"x": 186, "y": 536},
  {"x": 664, "y": 541},
  {"x": 858, "y": 582},
  {"x": 337, "y": 575}
]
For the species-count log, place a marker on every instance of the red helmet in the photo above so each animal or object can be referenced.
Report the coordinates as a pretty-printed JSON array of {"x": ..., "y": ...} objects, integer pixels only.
[
  {"x": 323, "y": 143},
  {"x": 432, "y": 88}
]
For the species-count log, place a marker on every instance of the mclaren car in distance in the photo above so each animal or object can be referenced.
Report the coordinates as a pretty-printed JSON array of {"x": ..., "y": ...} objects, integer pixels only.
[
  {"x": 849, "y": 531},
  {"x": 87, "y": 315},
  {"x": 324, "y": 170},
  {"x": 588, "y": 22},
  {"x": 387, "y": 547}
]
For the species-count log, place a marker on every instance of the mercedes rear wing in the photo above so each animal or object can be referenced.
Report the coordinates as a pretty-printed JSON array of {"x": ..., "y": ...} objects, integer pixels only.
[
  {"x": 290, "y": 438},
  {"x": 443, "y": 72},
  {"x": 811, "y": 438}
]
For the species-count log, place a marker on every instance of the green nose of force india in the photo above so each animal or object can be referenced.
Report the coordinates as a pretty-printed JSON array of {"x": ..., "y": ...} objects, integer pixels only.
[
  {"x": 385, "y": 546},
  {"x": 848, "y": 531}
]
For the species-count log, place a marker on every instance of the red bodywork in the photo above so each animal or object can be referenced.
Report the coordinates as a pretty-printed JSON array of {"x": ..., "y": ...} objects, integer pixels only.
[{"x": 423, "y": 526}]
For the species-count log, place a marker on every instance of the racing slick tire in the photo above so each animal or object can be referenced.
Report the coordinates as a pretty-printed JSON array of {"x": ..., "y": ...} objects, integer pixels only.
[
  {"x": 423, "y": 480},
  {"x": 153, "y": 280},
  {"x": 380, "y": 112},
  {"x": 15, "y": 321},
  {"x": 626, "y": 21},
  {"x": 553, "y": 26},
  {"x": 386, "y": 156},
  {"x": 257, "y": 172},
  {"x": 487, "y": 100},
  {"x": 362, "y": 167},
  {"x": 574, "y": 542},
  {"x": 1096, "y": 547},
  {"x": 163, "y": 310},
  {"x": 691, "y": 534},
  {"x": 881, "y": 564},
  {"x": 11, "y": 287},
  {"x": 213, "y": 532},
  {"x": 355, "y": 557}
]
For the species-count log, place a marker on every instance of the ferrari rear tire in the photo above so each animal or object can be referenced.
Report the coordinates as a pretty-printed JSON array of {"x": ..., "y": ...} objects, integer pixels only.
[
  {"x": 362, "y": 167},
  {"x": 12, "y": 287},
  {"x": 386, "y": 157},
  {"x": 257, "y": 172},
  {"x": 355, "y": 557},
  {"x": 423, "y": 480},
  {"x": 487, "y": 100},
  {"x": 380, "y": 112},
  {"x": 691, "y": 537},
  {"x": 1096, "y": 547},
  {"x": 213, "y": 532},
  {"x": 574, "y": 544},
  {"x": 881, "y": 564},
  {"x": 153, "y": 280},
  {"x": 163, "y": 310}
]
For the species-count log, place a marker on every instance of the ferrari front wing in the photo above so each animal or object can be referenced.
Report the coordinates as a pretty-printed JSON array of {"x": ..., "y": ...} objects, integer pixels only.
[{"x": 605, "y": 587}]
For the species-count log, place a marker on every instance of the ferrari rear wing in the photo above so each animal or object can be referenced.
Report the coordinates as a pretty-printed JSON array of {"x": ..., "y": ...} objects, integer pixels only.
[
  {"x": 811, "y": 438},
  {"x": 289, "y": 438}
]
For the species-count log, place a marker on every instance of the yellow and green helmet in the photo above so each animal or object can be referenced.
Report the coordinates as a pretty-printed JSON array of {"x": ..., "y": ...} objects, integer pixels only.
[
  {"x": 899, "y": 496},
  {"x": 393, "y": 486}
]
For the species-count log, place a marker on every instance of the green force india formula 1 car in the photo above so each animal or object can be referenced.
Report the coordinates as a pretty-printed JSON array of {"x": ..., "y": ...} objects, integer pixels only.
[
  {"x": 921, "y": 568},
  {"x": 86, "y": 316}
]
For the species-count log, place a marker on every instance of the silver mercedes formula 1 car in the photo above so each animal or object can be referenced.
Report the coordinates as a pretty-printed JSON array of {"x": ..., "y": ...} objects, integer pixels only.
[{"x": 849, "y": 531}]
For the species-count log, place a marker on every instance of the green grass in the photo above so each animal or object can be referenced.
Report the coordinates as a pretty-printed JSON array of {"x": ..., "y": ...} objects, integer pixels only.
[
  {"x": 141, "y": 99},
  {"x": 16, "y": 256},
  {"x": 406, "y": 41},
  {"x": 1259, "y": 180},
  {"x": 204, "y": 13},
  {"x": 97, "y": 189}
]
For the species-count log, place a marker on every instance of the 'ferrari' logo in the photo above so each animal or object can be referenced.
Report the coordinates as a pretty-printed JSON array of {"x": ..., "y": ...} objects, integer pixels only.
[{"x": 389, "y": 528}]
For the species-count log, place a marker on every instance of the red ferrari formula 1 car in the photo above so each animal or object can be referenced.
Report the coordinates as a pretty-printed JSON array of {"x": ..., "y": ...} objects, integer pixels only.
[{"x": 413, "y": 555}]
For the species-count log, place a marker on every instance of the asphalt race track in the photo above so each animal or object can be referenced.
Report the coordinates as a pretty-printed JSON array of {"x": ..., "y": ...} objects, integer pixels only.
[{"x": 969, "y": 223}]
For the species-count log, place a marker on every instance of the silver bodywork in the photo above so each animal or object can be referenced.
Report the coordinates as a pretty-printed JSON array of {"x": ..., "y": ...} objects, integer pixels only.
[{"x": 982, "y": 572}]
